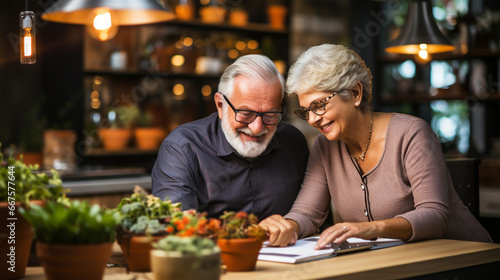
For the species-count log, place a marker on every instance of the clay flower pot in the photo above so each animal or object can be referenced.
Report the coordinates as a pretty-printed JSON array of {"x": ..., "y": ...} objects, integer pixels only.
[
  {"x": 173, "y": 265},
  {"x": 114, "y": 139},
  {"x": 20, "y": 232},
  {"x": 148, "y": 138},
  {"x": 136, "y": 251},
  {"x": 212, "y": 14},
  {"x": 74, "y": 261},
  {"x": 239, "y": 254},
  {"x": 277, "y": 16},
  {"x": 238, "y": 17}
]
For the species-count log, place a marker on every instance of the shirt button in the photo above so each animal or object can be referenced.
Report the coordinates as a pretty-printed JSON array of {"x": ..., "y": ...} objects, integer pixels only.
[
  {"x": 366, "y": 214},
  {"x": 362, "y": 186}
]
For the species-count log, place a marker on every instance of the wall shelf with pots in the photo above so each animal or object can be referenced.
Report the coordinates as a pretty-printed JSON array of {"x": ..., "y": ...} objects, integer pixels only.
[{"x": 171, "y": 70}]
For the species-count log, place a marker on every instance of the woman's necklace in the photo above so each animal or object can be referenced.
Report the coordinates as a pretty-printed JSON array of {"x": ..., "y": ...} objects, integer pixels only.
[{"x": 363, "y": 154}]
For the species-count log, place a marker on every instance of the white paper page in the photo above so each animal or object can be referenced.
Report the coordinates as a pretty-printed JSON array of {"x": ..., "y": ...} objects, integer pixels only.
[{"x": 303, "y": 250}]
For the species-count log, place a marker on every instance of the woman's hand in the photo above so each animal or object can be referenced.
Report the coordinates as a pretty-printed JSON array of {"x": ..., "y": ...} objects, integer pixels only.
[
  {"x": 281, "y": 232},
  {"x": 339, "y": 233}
]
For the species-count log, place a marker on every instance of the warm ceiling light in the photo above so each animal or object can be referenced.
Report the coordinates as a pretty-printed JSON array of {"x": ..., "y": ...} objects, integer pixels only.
[
  {"x": 420, "y": 29},
  {"x": 122, "y": 12}
]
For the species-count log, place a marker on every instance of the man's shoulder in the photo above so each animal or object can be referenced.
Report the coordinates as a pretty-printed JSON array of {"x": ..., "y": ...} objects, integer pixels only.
[{"x": 194, "y": 131}]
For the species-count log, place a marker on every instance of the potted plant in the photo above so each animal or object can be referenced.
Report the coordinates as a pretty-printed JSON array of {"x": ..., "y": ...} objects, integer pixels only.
[
  {"x": 185, "y": 258},
  {"x": 213, "y": 12},
  {"x": 240, "y": 240},
  {"x": 146, "y": 136},
  {"x": 276, "y": 13},
  {"x": 21, "y": 186},
  {"x": 117, "y": 136},
  {"x": 143, "y": 221},
  {"x": 238, "y": 16},
  {"x": 74, "y": 239}
]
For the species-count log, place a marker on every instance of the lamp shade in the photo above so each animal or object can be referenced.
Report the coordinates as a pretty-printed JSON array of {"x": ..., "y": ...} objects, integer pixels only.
[
  {"x": 420, "y": 28},
  {"x": 124, "y": 12}
]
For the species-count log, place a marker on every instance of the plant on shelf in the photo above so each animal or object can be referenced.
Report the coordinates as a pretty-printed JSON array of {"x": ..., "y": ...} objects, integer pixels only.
[
  {"x": 22, "y": 186},
  {"x": 238, "y": 15},
  {"x": 117, "y": 136},
  {"x": 74, "y": 238},
  {"x": 240, "y": 240},
  {"x": 192, "y": 257},
  {"x": 143, "y": 221},
  {"x": 146, "y": 136}
]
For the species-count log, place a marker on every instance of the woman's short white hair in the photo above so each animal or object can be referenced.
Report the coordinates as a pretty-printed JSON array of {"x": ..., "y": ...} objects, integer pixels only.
[
  {"x": 253, "y": 66},
  {"x": 330, "y": 68}
]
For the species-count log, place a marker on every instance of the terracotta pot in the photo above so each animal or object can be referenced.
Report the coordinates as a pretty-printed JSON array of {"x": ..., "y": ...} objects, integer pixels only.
[
  {"x": 172, "y": 265},
  {"x": 277, "y": 16},
  {"x": 212, "y": 14},
  {"x": 32, "y": 158},
  {"x": 74, "y": 261},
  {"x": 148, "y": 138},
  {"x": 184, "y": 11},
  {"x": 114, "y": 139},
  {"x": 239, "y": 254},
  {"x": 238, "y": 17},
  {"x": 136, "y": 251},
  {"x": 18, "y": 235}
]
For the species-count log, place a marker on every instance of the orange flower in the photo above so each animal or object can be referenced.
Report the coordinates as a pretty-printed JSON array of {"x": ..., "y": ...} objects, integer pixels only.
[
  {"x": 189, "y": 232},
  {"x": 241, "y": 215},
  {"x": 214, "y": 224}
]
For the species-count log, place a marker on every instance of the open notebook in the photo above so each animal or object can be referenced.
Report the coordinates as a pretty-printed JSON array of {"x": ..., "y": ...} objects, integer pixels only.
[{"x": 304, "y": 251}]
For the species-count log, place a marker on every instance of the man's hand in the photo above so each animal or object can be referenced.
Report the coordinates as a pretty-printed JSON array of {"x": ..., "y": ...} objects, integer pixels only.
[{"x": 281, "y": 232}]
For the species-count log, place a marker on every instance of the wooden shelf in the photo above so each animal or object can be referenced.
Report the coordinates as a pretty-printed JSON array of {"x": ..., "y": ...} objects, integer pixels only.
[
  {"x": 224, "y": 26},
  {"x": 475, "y": 54},
  {"x": 141, "y": 73},
  {"x": 425, "y": 97}
]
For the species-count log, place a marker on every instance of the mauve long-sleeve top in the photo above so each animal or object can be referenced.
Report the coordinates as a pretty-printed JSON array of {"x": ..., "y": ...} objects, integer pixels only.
[{"x": 410, "y": 181}]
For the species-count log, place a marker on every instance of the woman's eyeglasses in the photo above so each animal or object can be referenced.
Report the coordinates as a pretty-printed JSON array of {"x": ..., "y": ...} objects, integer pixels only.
[
  {"x": 247, "y": 116},
  {"x": 317, "y": 107}
]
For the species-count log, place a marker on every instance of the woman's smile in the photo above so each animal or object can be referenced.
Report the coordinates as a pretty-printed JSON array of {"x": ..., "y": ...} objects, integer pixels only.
[{"x": 325, "y": 128}]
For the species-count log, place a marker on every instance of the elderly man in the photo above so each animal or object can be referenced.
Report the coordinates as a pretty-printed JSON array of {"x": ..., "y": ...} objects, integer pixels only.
[{"x": 241, "y": 158}]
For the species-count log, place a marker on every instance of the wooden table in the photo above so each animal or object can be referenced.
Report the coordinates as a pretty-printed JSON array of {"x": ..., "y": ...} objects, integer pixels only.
[{"x": 453, "y": 259}]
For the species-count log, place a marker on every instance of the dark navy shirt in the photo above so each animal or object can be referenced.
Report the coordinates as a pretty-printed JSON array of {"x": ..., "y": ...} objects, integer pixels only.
[{"x": 198, "y": 167}]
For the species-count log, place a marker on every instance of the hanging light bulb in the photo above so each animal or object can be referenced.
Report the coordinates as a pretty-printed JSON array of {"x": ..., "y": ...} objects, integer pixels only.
[
  {"x": 101, "y": 26},
  {"x": 423, "y": 56},
  {"x": 28, "y": 37}
]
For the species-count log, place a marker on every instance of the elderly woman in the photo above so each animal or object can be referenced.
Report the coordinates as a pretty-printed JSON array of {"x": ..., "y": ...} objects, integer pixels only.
[{"x": 385, "y": 173}]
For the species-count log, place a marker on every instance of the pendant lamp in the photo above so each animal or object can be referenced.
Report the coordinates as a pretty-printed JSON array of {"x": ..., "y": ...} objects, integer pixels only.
[
  {"x": 420, "y": 34},
  {"x": 122, "y": 12}
]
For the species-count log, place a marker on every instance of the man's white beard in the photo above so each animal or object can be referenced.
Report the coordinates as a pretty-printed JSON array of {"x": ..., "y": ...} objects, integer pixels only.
[{"x": 248, "y": 149}]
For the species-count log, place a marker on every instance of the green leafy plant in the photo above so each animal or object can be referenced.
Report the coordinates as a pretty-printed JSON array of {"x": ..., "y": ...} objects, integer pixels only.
[
  {"x": 72, "y": 222},
  {"x": 241, "y": 225},
  {"x": 125, "y": 116},
  {"x": 144, "y": 119},
  {"x": 24, "y": 183},
  {"x": 186, "y": 246},
  {"x": 143, "y": 213}
]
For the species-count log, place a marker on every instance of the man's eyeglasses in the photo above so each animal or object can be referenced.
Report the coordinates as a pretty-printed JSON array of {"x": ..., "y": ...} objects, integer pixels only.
[
  {"x": 247, "y": 116},
  {"x": 317, "y": 107}
]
